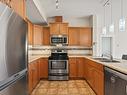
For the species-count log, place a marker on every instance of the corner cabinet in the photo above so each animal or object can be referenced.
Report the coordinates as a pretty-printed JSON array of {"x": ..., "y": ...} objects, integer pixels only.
[{"x": 59, "y": 28}]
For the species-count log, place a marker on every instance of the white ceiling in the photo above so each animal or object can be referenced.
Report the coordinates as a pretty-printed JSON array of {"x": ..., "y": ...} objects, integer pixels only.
[
  {"x": 75, "y": 9},
  {"x": 71, "y": 8}
]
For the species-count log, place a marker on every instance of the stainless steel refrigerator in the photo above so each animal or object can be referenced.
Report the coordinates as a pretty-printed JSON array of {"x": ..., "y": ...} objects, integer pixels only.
[{"x": 13, "y": 53}]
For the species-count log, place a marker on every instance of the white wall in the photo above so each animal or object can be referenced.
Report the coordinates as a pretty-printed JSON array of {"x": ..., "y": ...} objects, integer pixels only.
[
  {"x": 119, "y": 38},
  {"x": 78, "y": 22},
  {"x": 75, "y": 22}
]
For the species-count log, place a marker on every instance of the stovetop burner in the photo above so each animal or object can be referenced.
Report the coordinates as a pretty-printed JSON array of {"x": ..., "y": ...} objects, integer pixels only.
[{"x": 58, "y": 56}]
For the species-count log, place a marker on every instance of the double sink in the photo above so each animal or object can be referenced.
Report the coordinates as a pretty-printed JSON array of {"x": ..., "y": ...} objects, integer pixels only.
[{"x": 102, "y": 59}]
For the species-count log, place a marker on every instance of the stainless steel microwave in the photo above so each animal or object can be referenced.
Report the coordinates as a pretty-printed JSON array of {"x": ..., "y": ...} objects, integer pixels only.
[{"x": 59, "y": 39}]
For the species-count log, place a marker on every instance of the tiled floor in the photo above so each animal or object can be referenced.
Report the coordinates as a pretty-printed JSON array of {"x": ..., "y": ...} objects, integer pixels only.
[{"x": 71, "y": 87}]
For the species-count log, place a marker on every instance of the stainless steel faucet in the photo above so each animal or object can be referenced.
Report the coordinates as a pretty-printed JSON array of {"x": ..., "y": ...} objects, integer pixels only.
[
  {"x": 107, "y": 55},
  {"x": 111, "y": 57}
]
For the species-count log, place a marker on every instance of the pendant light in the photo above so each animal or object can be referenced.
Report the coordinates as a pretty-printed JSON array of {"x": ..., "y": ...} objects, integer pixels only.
[
  {"x": 104, "y": 30},
  {"x": 111, "y": 27},
  {"x": 122, "y": 19},
  {"x": 57, "y": 4}
]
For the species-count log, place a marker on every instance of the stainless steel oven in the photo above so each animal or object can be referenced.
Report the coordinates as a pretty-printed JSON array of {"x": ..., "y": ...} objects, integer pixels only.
[
  {"x": 58, "y": 67},
  {"x": 59, "y": 39}
]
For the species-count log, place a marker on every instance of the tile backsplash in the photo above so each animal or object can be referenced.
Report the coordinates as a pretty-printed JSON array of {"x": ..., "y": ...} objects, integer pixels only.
[{"x": 47, "y": 50}]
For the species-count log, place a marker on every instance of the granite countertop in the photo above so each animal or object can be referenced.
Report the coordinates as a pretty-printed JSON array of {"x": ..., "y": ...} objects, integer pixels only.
[
  {"x": 120, "y": 66},
  {"x": 32, "y": 58}
]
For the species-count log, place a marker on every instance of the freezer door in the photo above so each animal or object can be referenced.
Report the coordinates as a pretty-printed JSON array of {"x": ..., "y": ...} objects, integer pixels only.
[
  {"x": 13, "y": 44},
  {"x": 17, "y": 88}
]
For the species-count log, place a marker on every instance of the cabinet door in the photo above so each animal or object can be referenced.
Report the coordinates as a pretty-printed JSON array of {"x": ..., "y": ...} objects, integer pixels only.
[
  {"x": 74, "y": 36},
  {"x": 80, "y": 62},
  {"x": 46, "y": 36},
  {"x": 30, "y": 33},
  {"x": 64, "y": 28},
  {"x": 90, "y": 75},
  {"x": 54, "y": 28},
  {"x": 30, "y": 78},
  {"x": 35, "y": 74},
  {"x": 43, "y": 68},
  {"x": 19, "y": 7},
  {"x": 98, "y": 82},
  {"x": 86, "y": 37},
  {"x": 38, "y": 35},
  {"x": 73, "y": 68}
]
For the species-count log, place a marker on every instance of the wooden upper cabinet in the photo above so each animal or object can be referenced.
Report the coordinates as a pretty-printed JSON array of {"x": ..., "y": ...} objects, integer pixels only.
[
  {"x": 85, "y": 37},
  {"x": 46, "y": 35},
  {"x": 30, "y": 32},
  {"x": 38, "y": 35},
  {"x": 19, "y": 6},
  {"x": 73, "y": 36},
  {"x": 58, "y": 19},
  {"x": 54, "y": 28},
  {"x": 64, "y": 28},
  {"x": 81, "y": 36},
  {"x": 59, "y": 28}
]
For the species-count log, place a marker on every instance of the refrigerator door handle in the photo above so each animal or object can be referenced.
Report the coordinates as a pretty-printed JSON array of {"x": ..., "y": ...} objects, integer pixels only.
[{"x": 16, "y": 75}]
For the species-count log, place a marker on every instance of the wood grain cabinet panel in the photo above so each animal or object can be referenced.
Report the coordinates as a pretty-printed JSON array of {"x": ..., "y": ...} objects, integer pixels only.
[
  {"x": 80, "y": 63},
  {"x": 80, "y": 36},
  {"x": 98, "y": 82},
  {"x": 19, "y": 6},
  {"x": 30, "y": 33},
  {"x": 46, "y": 35},
  {"x": 58, "y": 28},
  {"x": 73, "y": 68},
  {"x": 85, "y": 37},
  {"x": 54, "y": 28},
  {"x": 33, "y": 75},
  {"x": 64, "y": 28},
  {"x": 30, "y": 78},
  {"x": 73, "y": 36},
  {"x": 38, "y": 35},
  {"x": 94, "y": 75},
  {"x": 43, "y": 68}
]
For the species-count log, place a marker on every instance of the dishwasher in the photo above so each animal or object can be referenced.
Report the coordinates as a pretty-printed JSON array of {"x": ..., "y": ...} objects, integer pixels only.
[{"x": 115, "y": 82}]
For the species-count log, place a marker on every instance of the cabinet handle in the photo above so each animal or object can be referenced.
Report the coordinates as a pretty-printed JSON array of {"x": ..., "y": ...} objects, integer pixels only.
[{"x": 113, "y": 80}]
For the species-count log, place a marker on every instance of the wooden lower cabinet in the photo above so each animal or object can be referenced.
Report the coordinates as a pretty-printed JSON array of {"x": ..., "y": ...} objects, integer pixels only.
[
  {"x": 99, "y": 82},
  {"x": 80, "y": 62},
  {"x": 73, "y": 68},
  {"x": 91, "y": 71},
  {"x": 43, "y": 68},
  {"x": 94, "y": 75},
  {"x": 33, "y": 75},
  {"x": 76, "y": 67}
]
